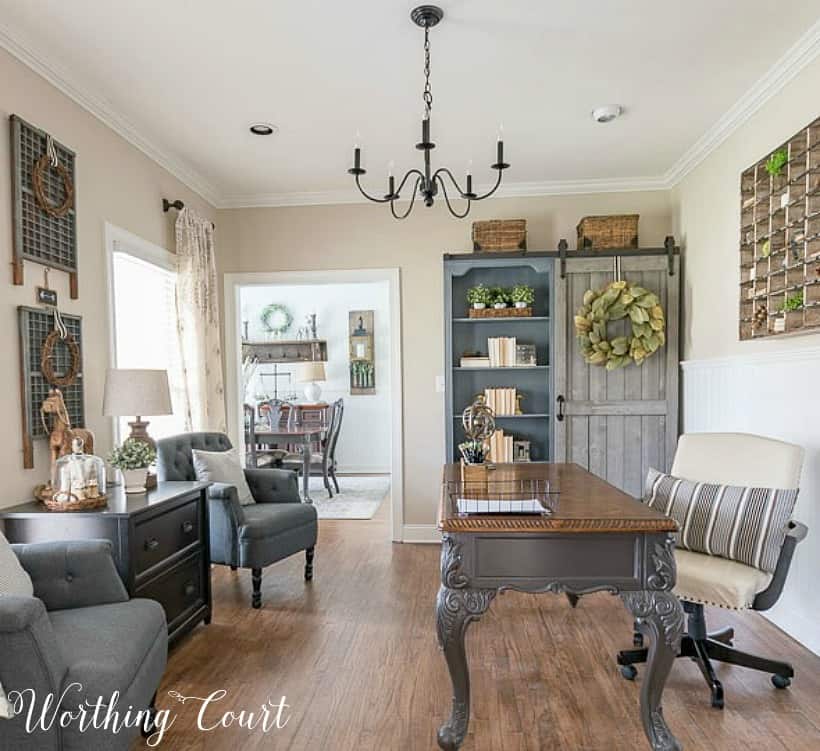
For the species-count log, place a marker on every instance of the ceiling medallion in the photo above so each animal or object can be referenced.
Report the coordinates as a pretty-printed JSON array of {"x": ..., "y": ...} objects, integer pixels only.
[{"x": 428, "y": 183}]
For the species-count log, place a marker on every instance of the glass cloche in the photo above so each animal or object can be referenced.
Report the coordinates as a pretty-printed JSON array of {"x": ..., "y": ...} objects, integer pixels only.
[{"x": 78, "y": 476}]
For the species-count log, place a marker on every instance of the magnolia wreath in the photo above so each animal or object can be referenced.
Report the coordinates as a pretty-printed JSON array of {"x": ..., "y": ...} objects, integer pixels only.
[{"x": 614, "y": 302}]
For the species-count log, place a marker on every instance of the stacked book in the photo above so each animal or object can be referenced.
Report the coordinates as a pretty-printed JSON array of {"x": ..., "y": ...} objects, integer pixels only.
[
  {"x": 502, "y": 401},
  {"x": 502, "y": 351},
  {"x": 475, "y": 361},
  {"x": 501, "y": 447}
]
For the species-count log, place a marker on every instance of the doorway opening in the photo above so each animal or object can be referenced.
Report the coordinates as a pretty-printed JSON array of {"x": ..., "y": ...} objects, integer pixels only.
[{"x": 314, "y": 361}]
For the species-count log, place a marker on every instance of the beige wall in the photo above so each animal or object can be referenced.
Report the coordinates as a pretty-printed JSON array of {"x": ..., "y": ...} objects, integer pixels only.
[
  {"x": 362, "y": 236},
  {"x": 708, "y": 221},
  {"x": 115, "y": 183}
]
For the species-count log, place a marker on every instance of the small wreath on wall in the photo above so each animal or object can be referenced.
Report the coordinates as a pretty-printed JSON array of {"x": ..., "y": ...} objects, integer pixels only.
[
  {"x": 614, "y": 302},
  {"x": 47, "y": 359},
  {"x": 276, "y": 318},
  {"x": 38, "y": 184}
]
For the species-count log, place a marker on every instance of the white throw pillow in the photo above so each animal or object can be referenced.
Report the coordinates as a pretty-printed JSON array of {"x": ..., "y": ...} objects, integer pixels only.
[
  {"x": 223, "y": 466},
  {"x": 14, "y": 579}
]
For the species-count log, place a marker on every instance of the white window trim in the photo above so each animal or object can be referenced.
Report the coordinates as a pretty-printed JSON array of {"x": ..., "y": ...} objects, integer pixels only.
[{"x": 138, "y": 247}]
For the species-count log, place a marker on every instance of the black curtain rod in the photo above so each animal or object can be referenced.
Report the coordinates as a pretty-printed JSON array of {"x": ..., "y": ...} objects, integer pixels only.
[{"x": 178, "y": 205}]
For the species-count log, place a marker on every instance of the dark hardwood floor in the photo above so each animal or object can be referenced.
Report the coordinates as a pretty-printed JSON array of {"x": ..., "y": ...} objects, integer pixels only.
[{"x": 356, "y": 656}]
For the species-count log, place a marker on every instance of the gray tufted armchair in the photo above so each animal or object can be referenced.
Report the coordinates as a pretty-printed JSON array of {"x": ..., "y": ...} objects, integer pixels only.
[{"x": 254, "y": 536}]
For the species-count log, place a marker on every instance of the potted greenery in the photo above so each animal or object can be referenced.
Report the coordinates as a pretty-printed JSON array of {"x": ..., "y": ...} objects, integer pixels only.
[
  {"x": 133, "y": 459},
  {"x": 479, "y": 296},
  {"x": 499, "y": 297},
  {"x": 776, "y": 162},
  {"x": 522, "y": 296}
]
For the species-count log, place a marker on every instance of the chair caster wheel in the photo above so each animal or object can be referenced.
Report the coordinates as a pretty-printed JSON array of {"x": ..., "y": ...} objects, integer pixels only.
[
  {"x": 629, "y": 672},
  {"x": 717, "y": 698},
  {"x": 781, "y": 681}
]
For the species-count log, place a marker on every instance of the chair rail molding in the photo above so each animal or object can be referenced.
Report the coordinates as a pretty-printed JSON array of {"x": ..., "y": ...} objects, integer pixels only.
[{"x": 772, "y": 393}]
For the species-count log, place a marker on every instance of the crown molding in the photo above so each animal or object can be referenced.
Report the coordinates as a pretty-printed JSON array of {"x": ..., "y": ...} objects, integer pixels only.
[
  {"x": 104, "y": 111},
  {"x": 508, "y": 190},
  {"x": 797, "y": 57}
]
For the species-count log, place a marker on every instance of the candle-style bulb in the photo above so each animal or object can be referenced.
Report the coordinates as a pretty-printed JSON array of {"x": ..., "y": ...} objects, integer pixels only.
[
  {"x": 500, "y": 132},
  {"x": 358, "y": 140},
  {"x": 390, "y": 165},
  {"x": 469, "y": 167}
]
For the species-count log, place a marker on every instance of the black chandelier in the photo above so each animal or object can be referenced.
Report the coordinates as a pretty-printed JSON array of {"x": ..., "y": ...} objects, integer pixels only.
[{"x": 427, "y": 183}]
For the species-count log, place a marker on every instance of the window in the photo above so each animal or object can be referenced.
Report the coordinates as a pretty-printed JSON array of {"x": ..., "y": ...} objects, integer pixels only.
[{"x": 145, "y": 327}]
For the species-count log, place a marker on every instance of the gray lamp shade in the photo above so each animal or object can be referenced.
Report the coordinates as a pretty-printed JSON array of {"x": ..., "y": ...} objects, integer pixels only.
[{"x": 136, "y": 392}]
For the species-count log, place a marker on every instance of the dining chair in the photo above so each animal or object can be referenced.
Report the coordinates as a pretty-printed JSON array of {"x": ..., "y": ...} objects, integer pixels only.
[
  {"x": 250, "y": 435},
  {"x": 323, "y": 462}
]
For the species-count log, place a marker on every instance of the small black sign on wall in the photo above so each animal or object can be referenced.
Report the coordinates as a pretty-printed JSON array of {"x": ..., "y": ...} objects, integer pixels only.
[{"x": 47, "y": 296}]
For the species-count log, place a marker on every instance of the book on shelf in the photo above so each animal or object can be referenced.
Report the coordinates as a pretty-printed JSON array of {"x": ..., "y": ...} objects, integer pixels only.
[
  {"x": 501, "y": 351},
  {"x": 474, "y": 361},
  {"x": 502, "y": 401},
  {"x": 501, "y": 447}
]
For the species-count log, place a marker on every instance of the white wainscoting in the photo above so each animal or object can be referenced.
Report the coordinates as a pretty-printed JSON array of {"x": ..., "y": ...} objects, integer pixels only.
[{"x": 776, "y": 395}]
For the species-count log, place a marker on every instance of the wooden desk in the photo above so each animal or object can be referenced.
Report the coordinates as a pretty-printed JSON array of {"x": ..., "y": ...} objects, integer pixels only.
[
  {"x": 304, "y": 434},
  {"x": 160, "y": 543},
  {"x": 598, "y": 539}
]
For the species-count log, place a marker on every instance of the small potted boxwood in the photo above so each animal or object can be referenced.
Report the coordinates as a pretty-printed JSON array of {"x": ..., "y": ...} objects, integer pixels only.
[
  {"x": 133, "y": 459},
  {"x": 522, "y": 296},
  {"x": 500, "y": 297},
  {"x": 479, "y": 296}
]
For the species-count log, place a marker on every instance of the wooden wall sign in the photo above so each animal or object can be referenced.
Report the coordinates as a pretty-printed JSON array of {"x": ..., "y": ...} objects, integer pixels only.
[
  {"x": 44, "y": 200},
  {"x": 780, "y": 239},
  {"x": 362, "y": 356}
]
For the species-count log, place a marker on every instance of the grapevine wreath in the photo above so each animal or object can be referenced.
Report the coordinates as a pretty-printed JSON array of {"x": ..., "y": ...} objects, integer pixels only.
[
  {"x": 276, "y": 319},
  {"x": 38, "y": 178},
  {"x": 47, "y": 359},
  {"x": 616, "y": 301}
]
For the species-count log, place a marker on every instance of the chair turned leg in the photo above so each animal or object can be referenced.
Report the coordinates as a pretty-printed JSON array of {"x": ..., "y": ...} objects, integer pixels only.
[
  {"x": 256, "y": 579},
  {"x": 327, "y": 486},
  {"x": 309, "y": 564},
  {"x": 335, "y": 481}
]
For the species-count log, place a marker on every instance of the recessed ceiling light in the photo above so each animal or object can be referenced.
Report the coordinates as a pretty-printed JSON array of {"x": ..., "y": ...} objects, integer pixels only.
[
  {"x": 263, "y": 129},
  {"x": 607, "y": 113}
]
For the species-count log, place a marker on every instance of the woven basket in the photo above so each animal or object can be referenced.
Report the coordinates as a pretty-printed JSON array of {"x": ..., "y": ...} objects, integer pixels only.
[
  {"x": 500, "y": 234},
  {"x": 70, "y": 503},
  {"x": 606, "y": 232},
  {"x": 500, "y": 312}
]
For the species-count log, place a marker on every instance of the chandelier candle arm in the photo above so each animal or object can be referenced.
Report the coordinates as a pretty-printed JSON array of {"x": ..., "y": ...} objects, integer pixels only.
[{"x": 427, "y": 183}]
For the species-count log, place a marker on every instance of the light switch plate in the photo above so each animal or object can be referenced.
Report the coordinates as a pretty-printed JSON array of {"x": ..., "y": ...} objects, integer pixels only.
[{"x": 439, "y": 384}]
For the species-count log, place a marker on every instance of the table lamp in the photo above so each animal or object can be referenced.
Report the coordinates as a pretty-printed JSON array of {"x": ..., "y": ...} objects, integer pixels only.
[
  {"x": 137, "y": 392},
  {"x": 309, "y": 373}
]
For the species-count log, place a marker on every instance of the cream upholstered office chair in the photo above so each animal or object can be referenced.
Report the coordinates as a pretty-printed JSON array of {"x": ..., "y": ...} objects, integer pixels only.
[{"x": 742, "y": 460}]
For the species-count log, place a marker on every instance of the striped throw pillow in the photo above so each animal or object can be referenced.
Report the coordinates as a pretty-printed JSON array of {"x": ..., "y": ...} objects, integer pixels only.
[{"x": 747, "y": 525}]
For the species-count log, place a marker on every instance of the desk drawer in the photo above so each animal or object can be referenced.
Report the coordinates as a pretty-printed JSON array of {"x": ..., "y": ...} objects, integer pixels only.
[
  {"x": 159, "y": 537},
  {"x": 179, "y": 590}
]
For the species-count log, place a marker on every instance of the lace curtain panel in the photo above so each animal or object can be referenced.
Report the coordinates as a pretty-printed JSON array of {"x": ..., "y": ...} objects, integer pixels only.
[{"x": 198, "y": 323}]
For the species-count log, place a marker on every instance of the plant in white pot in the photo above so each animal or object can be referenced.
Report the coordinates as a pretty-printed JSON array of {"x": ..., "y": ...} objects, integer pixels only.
[
  {"x": 133, "y": 459},
  {"x": 479, "y": 296},
  {"x": 522, "y": 296},
  {"x": 500, "y": 297}
]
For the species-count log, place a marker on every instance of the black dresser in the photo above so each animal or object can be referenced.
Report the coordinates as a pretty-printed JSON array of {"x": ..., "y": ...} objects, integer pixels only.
[{"x": 160, "y": 541}]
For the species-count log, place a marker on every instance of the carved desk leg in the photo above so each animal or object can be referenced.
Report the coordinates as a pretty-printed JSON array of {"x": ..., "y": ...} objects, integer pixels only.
[
  {"x": 455, "y": 610},
  {"x": 658, "y": 617},
  {"x": 457, "y": 606}
]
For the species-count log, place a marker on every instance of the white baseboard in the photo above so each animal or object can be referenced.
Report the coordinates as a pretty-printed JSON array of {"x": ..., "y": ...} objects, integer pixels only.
[
  {"x": 420, "y": 533},
  {"x": 362, "y": 469}
]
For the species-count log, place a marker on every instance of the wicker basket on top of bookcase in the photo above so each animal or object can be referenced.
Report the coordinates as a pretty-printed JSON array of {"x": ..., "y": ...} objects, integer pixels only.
[{"x": 780, "y": 239}]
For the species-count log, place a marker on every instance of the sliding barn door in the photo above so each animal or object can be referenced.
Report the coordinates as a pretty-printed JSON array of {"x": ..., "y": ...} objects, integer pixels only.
[{"x": 617, "y": 424}]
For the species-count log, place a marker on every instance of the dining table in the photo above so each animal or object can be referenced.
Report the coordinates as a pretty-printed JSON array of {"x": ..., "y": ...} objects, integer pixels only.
[{"x": 305, "y": 435}]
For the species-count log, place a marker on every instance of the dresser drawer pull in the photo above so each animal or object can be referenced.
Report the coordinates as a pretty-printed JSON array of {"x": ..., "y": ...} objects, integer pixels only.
[
  {"x": 187, "y": 527},
  {"x": 152, "y": 544},
  {"x": 190, "y": 589}
]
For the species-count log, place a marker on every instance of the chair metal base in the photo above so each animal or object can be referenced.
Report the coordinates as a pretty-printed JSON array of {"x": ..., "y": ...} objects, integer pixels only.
[{"x": 702, "y": 648}]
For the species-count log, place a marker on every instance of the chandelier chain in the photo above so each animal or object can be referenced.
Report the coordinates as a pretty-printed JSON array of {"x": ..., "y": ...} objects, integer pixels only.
[{"x": 428, "y": 92}]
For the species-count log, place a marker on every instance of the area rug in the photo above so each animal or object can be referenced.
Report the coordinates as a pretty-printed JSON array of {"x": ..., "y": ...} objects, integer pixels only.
[{"x": 360, "y": 497}]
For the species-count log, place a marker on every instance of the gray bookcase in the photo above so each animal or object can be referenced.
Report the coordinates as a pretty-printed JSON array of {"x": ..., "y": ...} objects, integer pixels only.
[{"x": 461, "y": 334}]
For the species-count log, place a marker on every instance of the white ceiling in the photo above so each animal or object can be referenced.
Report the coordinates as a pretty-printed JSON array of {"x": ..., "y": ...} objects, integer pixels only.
[{"x": 184, "y": 78}]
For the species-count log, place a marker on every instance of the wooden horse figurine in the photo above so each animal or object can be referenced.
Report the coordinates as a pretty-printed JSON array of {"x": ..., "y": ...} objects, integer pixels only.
[{"x": 61, "y": 433}]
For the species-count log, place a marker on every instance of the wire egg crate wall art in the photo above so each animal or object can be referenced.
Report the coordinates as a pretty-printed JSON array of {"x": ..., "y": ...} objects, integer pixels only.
[{"x": 44, "y": 202}]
